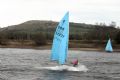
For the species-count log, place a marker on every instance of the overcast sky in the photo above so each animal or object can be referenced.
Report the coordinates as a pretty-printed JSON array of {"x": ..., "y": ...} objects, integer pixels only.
[{"x": 81, "y": 11}]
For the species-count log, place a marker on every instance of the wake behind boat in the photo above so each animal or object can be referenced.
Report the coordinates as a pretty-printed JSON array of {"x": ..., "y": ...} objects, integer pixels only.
[{"x": 64, "y": 68}]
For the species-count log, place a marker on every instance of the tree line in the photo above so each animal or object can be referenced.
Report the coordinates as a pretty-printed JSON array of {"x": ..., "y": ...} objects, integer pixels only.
[{"x": 77, "y": 32}]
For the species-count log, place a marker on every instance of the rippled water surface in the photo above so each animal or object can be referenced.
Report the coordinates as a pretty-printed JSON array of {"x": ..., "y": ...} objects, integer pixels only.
[{"x": 17, "y": 64}]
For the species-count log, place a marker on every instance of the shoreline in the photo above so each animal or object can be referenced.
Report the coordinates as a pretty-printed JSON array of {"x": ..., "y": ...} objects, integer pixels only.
[{"x": 49, "y": 48}]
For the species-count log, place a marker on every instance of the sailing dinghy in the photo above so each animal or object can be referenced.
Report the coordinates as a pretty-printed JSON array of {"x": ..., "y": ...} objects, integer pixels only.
[
  {"x": 108, "y": 47},
  {"x": 60, "y": 47}
]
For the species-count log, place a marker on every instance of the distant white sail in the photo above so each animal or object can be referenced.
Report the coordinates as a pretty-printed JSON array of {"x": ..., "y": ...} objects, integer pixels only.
[{"x": 109, "y": 46}]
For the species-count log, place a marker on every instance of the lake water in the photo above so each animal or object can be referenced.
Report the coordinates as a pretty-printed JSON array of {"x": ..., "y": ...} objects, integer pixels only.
[{"x": 17, "y": 64}]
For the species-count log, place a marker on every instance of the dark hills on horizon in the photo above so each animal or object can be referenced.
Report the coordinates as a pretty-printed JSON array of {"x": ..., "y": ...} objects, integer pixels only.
[{"x": 77, "y": 30}]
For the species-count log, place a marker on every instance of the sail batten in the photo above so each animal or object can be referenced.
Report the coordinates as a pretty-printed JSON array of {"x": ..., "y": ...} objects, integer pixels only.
[{"x": 60, "y": 41}]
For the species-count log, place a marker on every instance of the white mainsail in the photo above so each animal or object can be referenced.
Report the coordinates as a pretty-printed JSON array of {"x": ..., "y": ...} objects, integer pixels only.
[{"x": 108, "y": 47}]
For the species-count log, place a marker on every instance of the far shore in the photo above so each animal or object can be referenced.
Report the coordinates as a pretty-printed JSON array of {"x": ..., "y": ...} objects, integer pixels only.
[
  {"x": 46, "y": 47},
  {"x": 73, "y": 45}
]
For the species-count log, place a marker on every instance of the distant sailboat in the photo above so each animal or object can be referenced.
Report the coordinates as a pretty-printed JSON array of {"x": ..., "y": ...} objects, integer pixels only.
[{"x": 108, "y": 47}]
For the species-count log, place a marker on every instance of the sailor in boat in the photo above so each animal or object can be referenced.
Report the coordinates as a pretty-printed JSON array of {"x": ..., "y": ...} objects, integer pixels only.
[{"x": 75, "y": 62}]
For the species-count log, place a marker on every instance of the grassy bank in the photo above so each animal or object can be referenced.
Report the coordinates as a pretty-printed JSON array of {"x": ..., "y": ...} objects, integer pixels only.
[{"x": 73, "y": 44}]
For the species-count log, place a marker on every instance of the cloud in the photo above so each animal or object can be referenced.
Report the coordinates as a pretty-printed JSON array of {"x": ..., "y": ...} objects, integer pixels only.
[{"x": 87, "y": 11}]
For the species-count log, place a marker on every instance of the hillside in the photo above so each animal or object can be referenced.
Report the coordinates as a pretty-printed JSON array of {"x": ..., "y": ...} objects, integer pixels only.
[
  {"x": 77, "y": 30},
  {"x": 36, "y": 25}
]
